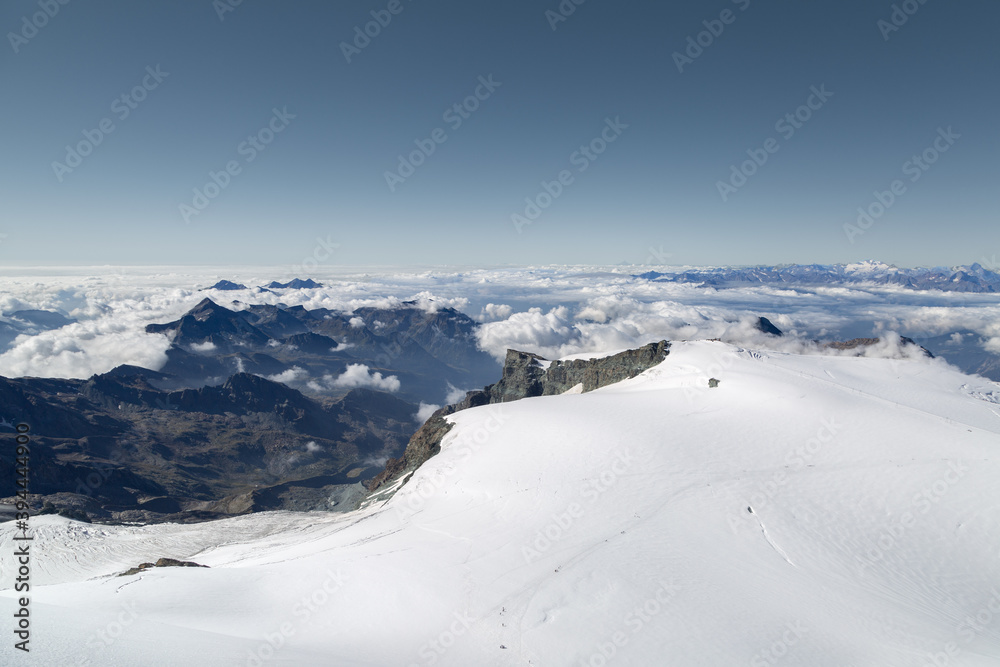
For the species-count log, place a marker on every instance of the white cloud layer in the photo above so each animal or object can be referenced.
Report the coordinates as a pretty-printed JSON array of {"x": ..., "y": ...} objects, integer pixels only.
[{"x": 552, "y": 311}]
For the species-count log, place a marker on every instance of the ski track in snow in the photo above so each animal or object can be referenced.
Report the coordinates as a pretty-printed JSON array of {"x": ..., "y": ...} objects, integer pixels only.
[{"x": 767, "y": 537}]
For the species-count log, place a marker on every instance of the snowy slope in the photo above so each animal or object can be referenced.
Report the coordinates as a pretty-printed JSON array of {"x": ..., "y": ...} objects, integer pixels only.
[{"x": 613, "y": 527}]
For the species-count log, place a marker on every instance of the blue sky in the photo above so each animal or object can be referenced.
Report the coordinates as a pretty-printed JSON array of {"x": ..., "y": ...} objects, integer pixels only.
[{"x": 608, "y": 71}]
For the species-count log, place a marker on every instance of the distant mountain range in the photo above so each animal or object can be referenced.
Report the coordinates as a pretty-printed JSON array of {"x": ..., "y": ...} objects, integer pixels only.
[
  {"x": 262, "y": 407},
  {"x": 208, "y": 435},
  {"x": 974, "y": 278},
  {"x": 425, "y": 350},
  {"x": 295, "y": 283},
  {"x": 114, "y": 447}
]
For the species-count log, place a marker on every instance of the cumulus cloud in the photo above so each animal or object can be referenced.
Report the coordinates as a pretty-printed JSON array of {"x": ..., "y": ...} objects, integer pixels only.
[
  {"x": 992, "y": 345},
  {"x": 82, "y": 350},
  {"x": 312, "y": 447},
  {"x": 359, "y": 375},
  {"x": 607, "y": 324},
  {"x": 425, "y": 411},
  {"x": 9, "y": 303},
  {"x": 293, "y": 375},
  {"x": 492, "y": 312},
  {"x": 454, "y": 394},
  {"x": 207, "y": 346},
  {"x": 376, "y": 461},
  {"x": 534, "y": 330},
  {"x": 356, "y": 322}
]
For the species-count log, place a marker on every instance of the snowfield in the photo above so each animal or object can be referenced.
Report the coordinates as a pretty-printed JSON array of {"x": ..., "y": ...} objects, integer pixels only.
[{"x": 811, "y": 510}]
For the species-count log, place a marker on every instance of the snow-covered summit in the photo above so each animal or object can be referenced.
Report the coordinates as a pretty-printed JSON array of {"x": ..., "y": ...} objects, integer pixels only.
[
  {"x": 869, "y": 269},
  {"x": 809, "y": 510}
]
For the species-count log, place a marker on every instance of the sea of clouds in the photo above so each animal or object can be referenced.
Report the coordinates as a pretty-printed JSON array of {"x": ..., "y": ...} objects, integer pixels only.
[{"x": 552, "y": 311}]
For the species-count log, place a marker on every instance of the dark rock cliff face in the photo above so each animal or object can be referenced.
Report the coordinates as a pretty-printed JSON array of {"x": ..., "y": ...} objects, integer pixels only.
[
  {"x": 424, "y": 444},
  {"x": 765, "y": 325},
  {"x": 524, "y": 375}
]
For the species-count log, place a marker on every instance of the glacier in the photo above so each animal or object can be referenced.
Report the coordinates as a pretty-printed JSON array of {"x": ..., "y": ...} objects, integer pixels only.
[{"x": 809, "y": 510}]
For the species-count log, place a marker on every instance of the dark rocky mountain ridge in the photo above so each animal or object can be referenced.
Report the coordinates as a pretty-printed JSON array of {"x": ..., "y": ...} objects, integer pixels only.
[
  {"x": 117, "y": 448},
  {"x": 524, "y": 375},
  {"x": 207, "y": 436},
  {"x": 425, "y": 350}
]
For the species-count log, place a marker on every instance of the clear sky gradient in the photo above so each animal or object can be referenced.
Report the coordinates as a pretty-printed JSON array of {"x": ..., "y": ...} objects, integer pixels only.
[{"x": 652, "y": 195}]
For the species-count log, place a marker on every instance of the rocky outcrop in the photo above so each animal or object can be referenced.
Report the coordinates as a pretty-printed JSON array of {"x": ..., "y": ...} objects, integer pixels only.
[
  {"x": 225, "y": 286},
  {"x": 765, "y": 325},
  {"x": 311, "y": 342},
  {"x": 525, "y": 375},
  {"x": 424, "y": 444},
  {"x": 295, "y": 283},
  {"x": 162, "y": 562}
]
